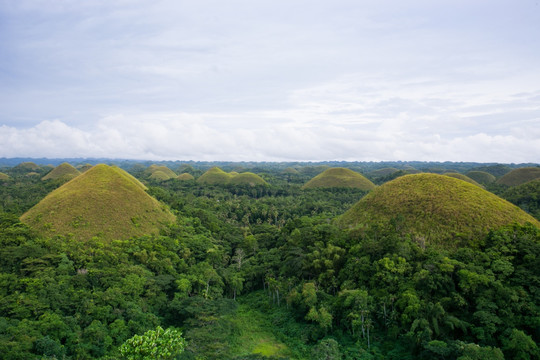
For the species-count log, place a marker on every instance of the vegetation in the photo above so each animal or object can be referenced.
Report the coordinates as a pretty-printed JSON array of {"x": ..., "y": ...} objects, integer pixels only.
[
  {"x": 264, "y": 272},
  {"x": 159, "y": 173},
  {"x": 247, "y": 178},
  {"x": 214, "y": 176},
  {"x": 434, "y": 209},
  {"x": 339, "y": 177},
  {"x": 463, "y": 177},
  {"x": 520, "y": 176},
  {"x": 104, "y": 201},
  {"x": 185, "y": 177},
  {"x": 63, "y": 172},
  {"x": 4, "y": 176},
  {"x": 526, "y": 196},
  {"x": 481, "y": 177}
]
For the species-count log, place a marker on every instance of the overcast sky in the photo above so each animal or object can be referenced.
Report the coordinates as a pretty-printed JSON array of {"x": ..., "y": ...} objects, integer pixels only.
[{"x": 274, "y": 80}]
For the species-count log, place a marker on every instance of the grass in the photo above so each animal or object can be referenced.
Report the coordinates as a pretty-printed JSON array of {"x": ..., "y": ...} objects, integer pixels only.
[
  {"x": 27, "y": 166},
  {"x": 216, "y": 176},
  {"x": 159, "y": 175},
  {"x": 152, "y": 169},
  {"x": 4, "y": 176},
  {"x": 434, "y": 208},
  {"x": 185, "y": 177},
  {"x": 63, "y": 171},
  {"x": 481, "y": 177},
  {"x": 101, "y": 202},
  {"x": 339, "y": 178},
  {"x": 520, "y": 176},
  {"x": 463, "y": 177}
]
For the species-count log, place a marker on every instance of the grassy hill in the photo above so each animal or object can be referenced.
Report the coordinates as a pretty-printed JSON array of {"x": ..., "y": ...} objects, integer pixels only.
[
  {"x": 481, "y": 177},
  {"x": 27, "y": 166},
  {"x": 165, "y": 171},
  {"x": 84, "y": 168},
  {"x": 247, "y": 178},
  {"x": 160, "y": 176},
  {"x": 185, "y": 177},
  {"x": 339, "y": 177},
  {"x": 4, "y": 176},
  {"x": 383, "y": 172},
  {"x": 462, "y": 177},
  {"x": 104, "y": 201},
  {"x": 214, "y": 176},
  {"x": 63, "y": 171},
  {"x": 520, "y": 176},
  {"x": 434, "y": 208}
]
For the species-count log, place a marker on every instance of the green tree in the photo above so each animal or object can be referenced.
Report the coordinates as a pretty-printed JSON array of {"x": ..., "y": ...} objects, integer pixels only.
[{"x": 154, "y": 344}]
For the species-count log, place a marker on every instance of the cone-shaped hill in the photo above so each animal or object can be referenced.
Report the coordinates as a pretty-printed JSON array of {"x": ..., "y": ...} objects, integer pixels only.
[
  {"x": 339, "y": 177},
  {"x": 434, "y": 208},
  {"x": 185, "y": 177},
  {"x": 104, "y": 201},
  {"x": 481, "y": 177},
  {"x": 463, "y": 177},
  {"x": 247, "y": 178},
  {"x": 164, "y": 172},
  {"x": 4, "y": 176},
  {"x": 214, "y": 176},
  {"x": 63, "y": 171},
  {"x": 27, "y": 166},
  {"x": 520, "y": 176}
]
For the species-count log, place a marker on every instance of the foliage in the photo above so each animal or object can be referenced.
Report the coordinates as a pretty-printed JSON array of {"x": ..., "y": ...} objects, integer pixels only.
[
  {"x": 154, "y": 344},
  {"x": 520, "y": 176}
]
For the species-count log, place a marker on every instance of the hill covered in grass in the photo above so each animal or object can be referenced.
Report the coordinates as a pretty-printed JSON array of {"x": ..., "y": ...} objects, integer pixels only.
[
  {"x": 462, "y": 177},
  {"x": 434, "y": 208},
  {"x": 63, "y": 171},
  {"x": 159, "y": 172},
  {"x": 339, "y": 178},
  {"x": 520, "y": 176},
  {"x": 104, "y": 201},
  {"x": 481, "y": 177},
  {"x": 4, "y": 176},
  {"x": 185, "y": 177},
  {"x": 214, "y": 176}
]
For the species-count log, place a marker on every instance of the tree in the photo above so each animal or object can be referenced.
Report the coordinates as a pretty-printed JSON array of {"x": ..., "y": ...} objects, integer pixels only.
[{"x": 154, "y": 344}]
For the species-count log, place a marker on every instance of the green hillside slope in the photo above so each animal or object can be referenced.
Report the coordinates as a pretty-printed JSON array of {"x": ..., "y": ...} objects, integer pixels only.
[
  {"x": 104, "y": 201},
  {"x": 63, "y": 171},
  {"x": 434, "y": 208},
  {"x": 520, "y": 176},
  {"x": 339, "y": 177}
]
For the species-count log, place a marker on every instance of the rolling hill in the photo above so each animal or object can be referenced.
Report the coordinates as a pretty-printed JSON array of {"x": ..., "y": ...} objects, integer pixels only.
[
  {"x": 165, "y": 172},
  {"x": 339, "y": 178},
  {"x": 462, "y": 177},
  {"x": 185, "y": 177},
  {"x": 481, "y": 177},
  {"x": 214, "y": 176},
  {"x": 104, "y": 201},
  {"x": 520, "y": 176},
  {"x": 63, "y": 171},
  {"x": 4, "y": 176},
  {"x": 434, "y": 208}
]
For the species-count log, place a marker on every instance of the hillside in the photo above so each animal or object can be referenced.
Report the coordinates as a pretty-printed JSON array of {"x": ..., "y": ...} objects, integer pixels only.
[
  {"x": 104, "y": 201},
  {"x": 165, "y": 172},
  {"x": 27, "y": 166},
  {"x": 247, "y": 178},
  {"x": 520, "y": 176},
  {"x": 63, "y": 171},
  {"x": 4, "y": 176},
  {"x": 339, "y": 178},
  {"x": 434, "y": 208},
  {"x": 214, "y": 176},
  {"x": 462, "y": 177},
  {"x": 526, "y": 196},
  {"x": 481, "y": 177},
  {"x": 185, "y": 177}
]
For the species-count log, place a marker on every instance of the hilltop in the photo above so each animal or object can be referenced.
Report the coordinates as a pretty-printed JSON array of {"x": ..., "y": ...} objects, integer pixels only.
[
  {"x": 339, "y": 178},
  {"x": 214, "y": 176},
  {"x": 247, "y": 178},
  {"x": 462, "y": 177},
  {"x": 63, "y": 171},
  {"x": 434, "y": 208},
  {"x": 481, "y": 177},
  {"x": 104, "y": 201},
  {"x": 163, "y": 173},
  {"x": 520, "y": 176},
  {"x": 185, "y": 177}
]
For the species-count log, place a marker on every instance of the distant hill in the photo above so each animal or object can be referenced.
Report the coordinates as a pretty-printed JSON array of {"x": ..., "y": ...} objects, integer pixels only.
[
  {"x": 63, "y": 171},
  {"x": 481, "y": 177},
  {"x": 520, "y": 176},
  {"x": 497, "y": 170},
  {"x": 104, "y": 201},
  {"x": 247, "y": 178},
  {"x": 463, "y": 177},
  {"x": 27, "y": 166},
  {"x": 214, "y": 176},
  {"x": 85, "y": 167},
  {"x": 4, "y": 176},
  {"x": 165, "y": 172},
  {"x": 434, "y": 208},
  {"x": 185, "y": 177},
  {"x": 383, "y": 172},
  {"x": 526, "y": 196},
  {"x": 339, "y": 178}
]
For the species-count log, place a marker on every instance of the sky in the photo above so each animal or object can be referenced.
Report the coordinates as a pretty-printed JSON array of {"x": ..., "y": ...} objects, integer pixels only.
[{"x": 271, "y": 80}]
